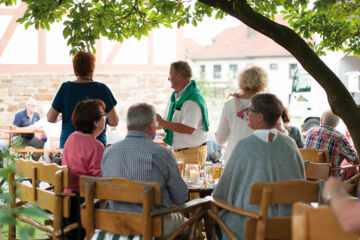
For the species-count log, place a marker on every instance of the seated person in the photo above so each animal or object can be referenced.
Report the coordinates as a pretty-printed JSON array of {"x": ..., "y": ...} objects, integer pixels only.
[
  {"x": 138, "y": 158},
  {"x": 328, "y": 138},
  {"x": 293, "y": 131},
  {"x": 265, "y": 156},
  {"x": 83, "y": 152},
  {"x": 345, "y": 207},
  {"x": 26, "y": 119}
]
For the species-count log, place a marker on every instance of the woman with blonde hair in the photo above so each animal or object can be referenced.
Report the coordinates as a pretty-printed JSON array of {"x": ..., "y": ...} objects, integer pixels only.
[{"x": 233, "y": 124}]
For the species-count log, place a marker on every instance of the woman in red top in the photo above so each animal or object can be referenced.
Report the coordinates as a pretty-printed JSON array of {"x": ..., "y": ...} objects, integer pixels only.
[{"x": 83, "y": 152}]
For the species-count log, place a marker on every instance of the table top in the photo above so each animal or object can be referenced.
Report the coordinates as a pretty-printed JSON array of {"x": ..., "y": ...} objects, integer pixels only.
[
  {"x": 34, "y": 150},
  {"x": 21, "y": 131}
]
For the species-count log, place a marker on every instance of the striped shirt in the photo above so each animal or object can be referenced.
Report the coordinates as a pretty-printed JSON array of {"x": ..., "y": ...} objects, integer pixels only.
[
  {"x": 326, "y": 137},
  {"x": 138, "y": 158}
]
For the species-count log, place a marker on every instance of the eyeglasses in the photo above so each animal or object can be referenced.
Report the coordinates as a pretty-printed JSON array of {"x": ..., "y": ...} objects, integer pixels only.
[{"x": 248, "y": 110}]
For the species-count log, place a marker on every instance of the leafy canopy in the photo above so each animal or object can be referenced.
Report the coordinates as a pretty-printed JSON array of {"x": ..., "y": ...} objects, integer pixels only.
[{"x": 335, "y": 21}]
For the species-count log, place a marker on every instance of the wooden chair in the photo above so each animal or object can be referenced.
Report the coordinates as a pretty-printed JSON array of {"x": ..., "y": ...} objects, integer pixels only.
[
  {"x": 148, "y": 224},
  {"x": 317, "y": 224},
  {"x": 317, "y": 171},
  {"x": 54, "y": 200},
  {"x": 315, "y": 155},
  {"x": 259, "y": 225}
]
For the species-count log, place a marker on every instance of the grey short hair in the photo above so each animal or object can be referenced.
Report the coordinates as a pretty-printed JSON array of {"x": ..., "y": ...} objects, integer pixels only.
[
  {"x": 183, "y": 68},
  {"x": 30, "y": 101},
  {"x": 253, "y": 79},
  {"x": 330, "y": 119},
  {"x": 139, "y": 116}
]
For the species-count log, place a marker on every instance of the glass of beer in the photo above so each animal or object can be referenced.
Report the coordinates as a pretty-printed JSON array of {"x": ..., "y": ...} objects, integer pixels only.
[
  {"x": 217, "y": 171},
  {"x": 208, "y": 172},
  {"x": 181, "y": 165}
]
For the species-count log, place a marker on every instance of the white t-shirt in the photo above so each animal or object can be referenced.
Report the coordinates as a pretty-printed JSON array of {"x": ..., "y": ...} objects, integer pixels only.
[{"x": 189, "y": 115}]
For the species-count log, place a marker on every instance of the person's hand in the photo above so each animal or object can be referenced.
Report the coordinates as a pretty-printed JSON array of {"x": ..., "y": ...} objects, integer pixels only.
[
  {"x": 333, "y": 183},
  {"x": 159, "y": 120}
]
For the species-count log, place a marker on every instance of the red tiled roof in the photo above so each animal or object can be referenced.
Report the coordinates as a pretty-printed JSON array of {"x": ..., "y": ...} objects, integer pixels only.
[{"x": 240, "y": 42}]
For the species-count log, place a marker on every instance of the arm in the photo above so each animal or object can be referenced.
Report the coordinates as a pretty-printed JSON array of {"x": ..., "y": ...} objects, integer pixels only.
[
  {"x": 346, "y": 209},
  {"x": 176, "y": 127},
  {"x": 52, "y": 115},
  {"x": 113, "y": 118}
]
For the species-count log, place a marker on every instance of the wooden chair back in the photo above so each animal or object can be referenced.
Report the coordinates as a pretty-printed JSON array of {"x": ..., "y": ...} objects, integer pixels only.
[
  {"x": 317, "y": 171},
  {"x": 285, "y": 192},
  {"x": 317, "y": 224},
  {"x": 122, "y": 223},
  {"x": 53, "y": 199},
  {"x": 315, "y": 155}
]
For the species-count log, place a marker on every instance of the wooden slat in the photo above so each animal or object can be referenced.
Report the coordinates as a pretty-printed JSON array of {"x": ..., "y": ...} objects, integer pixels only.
[
  {"x": 109, "y": 188},
  {"x": 296, "y": 190},
  {"x": 319, "y": 223},
  {"x": 273, "y": 231},
  {"x": 317, "y": 171},
  {"x": 45, "y": 173},
  {"x": 315, "y": 155},
  {"x": 120, "y": 223}
]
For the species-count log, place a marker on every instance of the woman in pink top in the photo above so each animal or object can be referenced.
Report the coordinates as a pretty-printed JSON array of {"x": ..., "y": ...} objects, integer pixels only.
[{"x": 83, "y": 152}]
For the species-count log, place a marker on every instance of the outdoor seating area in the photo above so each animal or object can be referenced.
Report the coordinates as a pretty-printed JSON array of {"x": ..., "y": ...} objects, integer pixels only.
[{"x": 120, "y": 121}]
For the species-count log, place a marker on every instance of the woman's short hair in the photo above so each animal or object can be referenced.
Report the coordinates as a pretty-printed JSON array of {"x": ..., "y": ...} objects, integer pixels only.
[
  {"x": 269, "y": 105},
  {"x": 85, "y": 113},
  {"x": 253, "y": 79},
  {"x": 183, "y": 68},
  {"x": 139, "y": 116},
  {"x": 83, "y": 63}
]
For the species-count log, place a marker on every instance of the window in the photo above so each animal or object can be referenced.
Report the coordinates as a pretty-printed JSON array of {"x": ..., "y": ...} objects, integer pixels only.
[
  {"x": 233, "y": 69},
  {"x": 217, "y": 71},
  {"x": 202, "y": 71},
  {"x": 274, "y": 66},
  {"x": 292, "y": 70}
]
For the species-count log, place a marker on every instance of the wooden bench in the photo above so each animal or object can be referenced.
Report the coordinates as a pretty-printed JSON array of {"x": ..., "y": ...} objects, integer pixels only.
[{"x": 54, "y": 200}]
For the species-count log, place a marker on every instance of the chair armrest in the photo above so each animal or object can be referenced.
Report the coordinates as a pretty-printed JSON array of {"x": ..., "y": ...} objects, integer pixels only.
[
  {"x": 334, "y": 169},
  {"x": 188, "y": 206},
  {"x": 231, "y": 208},
  {"x": 97, "y": 203}
]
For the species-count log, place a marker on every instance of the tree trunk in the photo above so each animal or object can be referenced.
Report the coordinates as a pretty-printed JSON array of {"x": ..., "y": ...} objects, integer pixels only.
[{"x": 340, "y": 100}]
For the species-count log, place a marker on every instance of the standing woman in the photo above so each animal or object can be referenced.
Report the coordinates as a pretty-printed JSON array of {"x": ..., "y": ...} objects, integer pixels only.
[
  {"x": 233, "y": 124},
  {"x": 84, "y": 87}
]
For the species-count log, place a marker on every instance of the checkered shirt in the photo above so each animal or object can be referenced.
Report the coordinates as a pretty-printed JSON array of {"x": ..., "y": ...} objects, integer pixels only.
[
  {"x": 138, "y": 158},
  {"x": 325, "y": 137}
]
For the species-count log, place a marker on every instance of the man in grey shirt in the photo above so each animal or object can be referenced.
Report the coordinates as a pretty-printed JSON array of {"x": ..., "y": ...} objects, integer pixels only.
[{"x": 138, "y": 158}]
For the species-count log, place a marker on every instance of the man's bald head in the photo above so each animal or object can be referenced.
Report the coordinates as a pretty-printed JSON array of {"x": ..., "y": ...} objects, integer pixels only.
[{"x": 328, "y": 118}]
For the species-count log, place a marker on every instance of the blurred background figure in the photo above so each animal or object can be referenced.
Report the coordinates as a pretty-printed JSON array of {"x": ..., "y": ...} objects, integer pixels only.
[
  {"x": 233, "y": 124},
  {"x": 327, "y": 137},
  {"x": 293, "y": 131},
  {"x": 51, "y": 135},
  {"x": 26, "y": 119}
]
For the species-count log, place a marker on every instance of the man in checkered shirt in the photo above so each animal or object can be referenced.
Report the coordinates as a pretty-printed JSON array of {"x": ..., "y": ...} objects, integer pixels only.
[
  {"x": 138, "y": 158},
  {"x": 328, "y": 138}
]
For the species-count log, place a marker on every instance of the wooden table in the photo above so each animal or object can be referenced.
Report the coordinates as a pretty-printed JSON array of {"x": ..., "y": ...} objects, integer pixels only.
[
  {"x": 20, "y": 131},
  {"x": 200, "y": 191}
]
